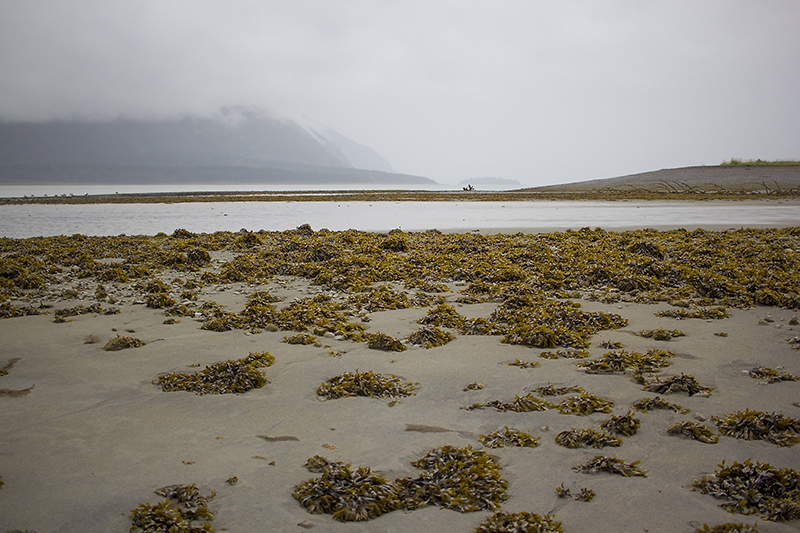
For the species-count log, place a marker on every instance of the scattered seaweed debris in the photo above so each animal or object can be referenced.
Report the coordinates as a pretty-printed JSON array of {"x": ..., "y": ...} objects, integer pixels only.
[
  {"x": 612, "y": 465},
  {"x": 300, "y": 338},
  {"x": 78, "y": 310},
  {"x": 611, "y": 345},
  {"x": 646, "y": 404},
  {"x": 567, "y": 354},
  {"x": 695, "y": 430},
  {"x": 552, "y": 390},
  {"x": 367, "y": 383},
  {"x": 183, "y": 510},
  {"x": 661, "y": 334},
  {"x": 509, "y": 437},
  {"x": 8, "y": 366},
  {"x": 430, "y": 337},
  {"x": 776, "y": 428},
  {"x": 524, "y": 364},
  {"x": 770, "y": 374},
  {"x": 770, "y": 492},
  {"x": 520, "y": 404},
  {"x": 705, "y": 313},
  {"x": 121, "y": 342},
  {"x": 585, "y": 495},
  {"x": 225, "y": 377},
  {"x": 348, "y": 495},
  {"x": 626, "y": 425},
  {"x": 584, "y": 438},
  {"x": 728, "y": 527},
  {"x": 382, "y": 341},
  {"x": 474, "y": 386},
  {"x": 462, "y": 479},
  {"x": 9, "y": 310},
  {"x": 683, "y": 383},
  {"x": 502, "y": 522},
  {"x": 584, "y": 404},
  {"x": 563, "y": 491},
  {"x": 317, "y": 464},
  {"x": 622, "y": 361}
]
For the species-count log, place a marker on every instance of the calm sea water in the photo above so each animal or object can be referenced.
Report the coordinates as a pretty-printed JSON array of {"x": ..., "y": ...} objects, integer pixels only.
[{"x": 22, "y": 221}]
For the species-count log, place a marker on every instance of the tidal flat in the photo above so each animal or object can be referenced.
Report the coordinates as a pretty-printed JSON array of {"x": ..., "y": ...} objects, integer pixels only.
[{"x": 400, "y": 381}]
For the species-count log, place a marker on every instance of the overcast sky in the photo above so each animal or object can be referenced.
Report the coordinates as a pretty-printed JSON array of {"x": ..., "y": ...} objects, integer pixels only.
[{"x": 541, "y": 92}]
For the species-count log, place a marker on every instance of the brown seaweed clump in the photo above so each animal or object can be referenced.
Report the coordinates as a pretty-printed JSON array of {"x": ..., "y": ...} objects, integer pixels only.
[
  {"x": 443, "y": 315},
  {"x": 776, "y": 428},
  {"x": 694, "y": 430},
  {"x": 382, "y": 341},
  {"x": 552, "y": 390},
  {"x": 584, "y": 438},
  {"x": 661, "y": 334},
  {"x": 770, "y": 492},
  {"x": 462, "y": 479},
  {"x": 226, "y": 377},
  {"x": 9, "y": 310},
  {"x": 728, "y": 527},
  {"x": 184, "y": 510},
  {"x": 611, "y": 465},
  {"x": 611, "y": 345},
  {"x": 520, "y": 404},
  {"x": 367, "y": 383},
  {"x": 380, "y": 299},
  {"x": 502, "y": 522},
  {"x": 509, "y": 437},
  {"x": 524, "y": 364},
  {"x": 626, "y": 425},
  {"x": 430, "y": 337},
  {"x": 568, "y": 354},
  {"x": 300, "y": 338},
  {"x": 348, "y": 495},
  {"x": 770, "y": 374},
  {"x": 646, "y": 404},
  {"x": 121, "y": 342},
  {"x": 705, "y": 313},
  {"x": 622, "y": 361},
  {"x": 474, "y": 386},
  {"x": 584, "y": 404},
  {"x": 317, "y": 464},
  {"x": 683, "y": 383}
]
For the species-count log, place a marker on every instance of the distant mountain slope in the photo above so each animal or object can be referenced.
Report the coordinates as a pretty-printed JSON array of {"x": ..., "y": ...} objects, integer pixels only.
[
  {"x": 240, "y": 145},
  {"x": 721, "y": 178}
]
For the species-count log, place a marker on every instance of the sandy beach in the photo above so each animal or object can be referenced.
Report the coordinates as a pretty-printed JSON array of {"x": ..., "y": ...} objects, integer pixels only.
[{"x": 87, "y": 436}]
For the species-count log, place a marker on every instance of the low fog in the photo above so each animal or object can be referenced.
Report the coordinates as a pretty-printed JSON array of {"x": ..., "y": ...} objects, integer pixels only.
[{"x": 540, "y": 92}]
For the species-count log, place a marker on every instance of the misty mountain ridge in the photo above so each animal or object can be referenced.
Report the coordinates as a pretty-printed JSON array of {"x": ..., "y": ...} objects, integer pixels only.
[{"x": 237, "y": 144}]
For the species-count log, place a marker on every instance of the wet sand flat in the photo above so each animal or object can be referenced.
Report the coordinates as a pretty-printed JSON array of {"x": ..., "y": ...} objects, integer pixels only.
[{"x": 94, "y": 436}]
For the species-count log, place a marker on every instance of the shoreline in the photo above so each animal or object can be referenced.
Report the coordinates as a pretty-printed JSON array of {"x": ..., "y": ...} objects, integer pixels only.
[{"x": 521, "y": 195}]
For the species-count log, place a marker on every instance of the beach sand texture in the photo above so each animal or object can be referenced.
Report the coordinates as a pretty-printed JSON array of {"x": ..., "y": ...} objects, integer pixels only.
[{"x": 94, "y": 437}]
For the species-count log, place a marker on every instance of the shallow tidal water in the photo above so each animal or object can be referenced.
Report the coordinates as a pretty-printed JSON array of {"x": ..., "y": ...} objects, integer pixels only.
[{"x": 22, "y": 221}]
